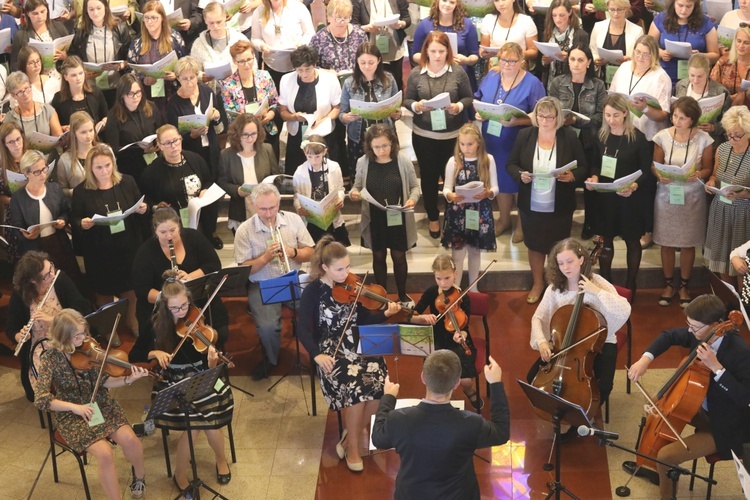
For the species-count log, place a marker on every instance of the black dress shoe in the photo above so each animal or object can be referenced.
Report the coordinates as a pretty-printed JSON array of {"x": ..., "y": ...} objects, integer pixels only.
[
  {"x": 223, "y": 478},
  {"x": 631, "y": 468},
  {"x": 435, "y": 234},
  {"x": 218, "y": 244}
]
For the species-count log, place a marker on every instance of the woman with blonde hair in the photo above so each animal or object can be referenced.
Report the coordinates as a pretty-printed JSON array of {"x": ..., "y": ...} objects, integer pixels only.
[
  {"x": 509, "y": 83},
  {"x": 338, "y": 42},
  {"x": 70, "y": 166},
  {"x": 108, "y": 249},
  {"x": 735, "y": 66},
  {"x": 614, "y": 33}
]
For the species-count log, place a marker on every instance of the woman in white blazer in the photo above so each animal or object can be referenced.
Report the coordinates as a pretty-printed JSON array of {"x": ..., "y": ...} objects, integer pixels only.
[{"x": 609, "y": 33}]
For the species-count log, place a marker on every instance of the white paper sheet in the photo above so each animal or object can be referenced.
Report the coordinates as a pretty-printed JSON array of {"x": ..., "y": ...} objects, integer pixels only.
[
  {"x": 469, "y": 191},
  {"x": 618, "y": 185},
  {"x": 553, "y": 173},
  {"x": 101, "y": 219},
  {"x": 194, "y": 206},
  {"x": 407, "y": 403},
  {"x": 680, "y": 50},
  {"x": 440, "y": 101},
  {"x": 549, "y": 49},
  {"x": 611, "y": 56}
]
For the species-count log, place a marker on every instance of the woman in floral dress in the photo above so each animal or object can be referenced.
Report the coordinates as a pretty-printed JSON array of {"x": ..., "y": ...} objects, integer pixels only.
[{"x": 351, "y": 383}]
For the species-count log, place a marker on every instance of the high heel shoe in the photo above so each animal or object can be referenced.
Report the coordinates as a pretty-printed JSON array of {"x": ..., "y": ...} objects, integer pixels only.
[
  {"x": 223, "y": 478},
  {"x": 187, "y": 494},
  {"x": 340, "y": 451},
  {"x": 354, "y": 466}
]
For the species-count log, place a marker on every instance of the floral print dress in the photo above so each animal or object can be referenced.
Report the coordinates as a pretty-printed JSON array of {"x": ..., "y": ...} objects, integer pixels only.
[{"x": 455, "y": 234}]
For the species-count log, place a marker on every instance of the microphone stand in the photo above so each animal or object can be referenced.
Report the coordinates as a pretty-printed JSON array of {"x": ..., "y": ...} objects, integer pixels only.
[{"x": 674, "y": 472}]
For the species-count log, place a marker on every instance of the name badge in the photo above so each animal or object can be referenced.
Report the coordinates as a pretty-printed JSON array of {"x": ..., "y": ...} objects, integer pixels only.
[
  {"x": 609, "y": 166},
  {"x": 541, "y": 183},
  {"x": 97, "y": 418},
  {"x": 149, "y": 157},
  {"x": 383, "y": 43},
  {"x": 185, "y": 217},
  {"x": 116, "y": 227},
  {"x": 157, "y": 89},
  {"x": 494, "y": 128},
  {"x": 682, "y": 69},
  {"x": 724, "y": 198},
  {"x": 394, "y": 218},
  {"x": 676, "y": 194},
  {"x": 472, "y": 220},
  {"x": 609, "y": 72},
  {"x": 303, "y": 129},
  {"x": 437, "y": 118}
]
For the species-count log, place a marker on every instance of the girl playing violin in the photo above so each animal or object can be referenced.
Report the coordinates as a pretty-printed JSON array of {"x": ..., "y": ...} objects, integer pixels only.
[
  {"x": 66, "y": 392},
  {"x": 566, "y": 282},
  {"x": 216, "y": 409},
  {"x": 445, "y": 277},
  {"x": 350, "y": 383}
]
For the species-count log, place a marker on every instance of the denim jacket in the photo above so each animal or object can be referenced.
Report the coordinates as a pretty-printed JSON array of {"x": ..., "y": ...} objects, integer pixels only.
[
  {"x": 354, "y": 129},
  {"x": 590, "y": 103}
]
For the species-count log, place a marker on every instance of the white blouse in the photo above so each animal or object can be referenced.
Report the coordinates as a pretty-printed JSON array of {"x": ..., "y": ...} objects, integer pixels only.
[{"x": 655, "y": 82}]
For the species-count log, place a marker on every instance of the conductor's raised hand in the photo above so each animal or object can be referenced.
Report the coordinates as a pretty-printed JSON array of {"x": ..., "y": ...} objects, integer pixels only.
[
  {"x": 390, "y": 387},
  {"x": 492, "y": 372}
]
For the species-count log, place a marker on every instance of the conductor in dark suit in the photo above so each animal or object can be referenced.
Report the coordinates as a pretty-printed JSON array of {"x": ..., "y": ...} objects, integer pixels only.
[
  {"x": 436, "y": 441},
  {"x": 723, "y": 423}
]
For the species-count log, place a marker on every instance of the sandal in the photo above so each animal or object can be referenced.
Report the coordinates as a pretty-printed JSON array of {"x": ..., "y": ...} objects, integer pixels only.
[
  {"x": 475, "y": 400},
  {"x": 684, "y": 284},
  {"x": 665, "y": 300}
]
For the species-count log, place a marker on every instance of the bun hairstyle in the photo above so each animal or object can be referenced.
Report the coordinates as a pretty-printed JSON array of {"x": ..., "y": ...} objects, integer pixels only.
[
  {"x": 443, "y": 262},
  {"x": 327, "y": 251}
]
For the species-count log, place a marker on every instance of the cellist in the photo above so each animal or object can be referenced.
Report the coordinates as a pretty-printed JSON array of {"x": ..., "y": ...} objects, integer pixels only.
[
  {"x": 566, "y": 282},
  {"x": 723, "y": 423}
]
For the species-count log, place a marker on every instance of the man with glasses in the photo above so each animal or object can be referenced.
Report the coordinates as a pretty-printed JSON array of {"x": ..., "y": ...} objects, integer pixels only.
[{"x": 722, "y": 424}]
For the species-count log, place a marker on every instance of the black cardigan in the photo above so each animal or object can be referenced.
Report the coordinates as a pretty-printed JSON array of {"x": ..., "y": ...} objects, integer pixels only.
[
  {"x": 96, "y": 106},
  {"x": 122, "y": 36},
  {"x": 361, "y": 15},
  {"x": 568, "y": 148},
  {"x": 24, "y": 212},
  {"x": 118, "y": 134},
  {"x": 22, "y": 37}
]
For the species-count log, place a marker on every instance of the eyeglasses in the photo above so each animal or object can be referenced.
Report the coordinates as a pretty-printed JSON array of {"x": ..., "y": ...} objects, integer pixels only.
[
  {"x": 245, "y": 62},
  {"x": 151, "y": 19},
  {"x": 49, "y": 273},
  {"x": 641, "y": 55},
  {"x": 252, "y": 135},
  {"x": 509, "y": 62},
  {"x": 172, "y": 143},
  {"x": 37, "y": 62},
  {"x": 41, "y": 171},
  {"x": 188, "y": 79},
  {"x": 546, "y": 117},
  {"x": 342, "y": 19},
  {"x": 616, "y": 10},
  {"x": 14, "y": 142},
  {"x": 183, "y": 307},
  {"x": 693, "y": 328},
  {"x": 384, "y": 146},
  {"x": 23, "y": 92},
  {"x": 133, "y": 95},
  {"x": 731, "y": 137}
]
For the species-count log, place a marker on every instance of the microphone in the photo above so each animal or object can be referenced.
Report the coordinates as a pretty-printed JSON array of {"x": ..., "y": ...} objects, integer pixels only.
[{"x": 590, "y": 431}]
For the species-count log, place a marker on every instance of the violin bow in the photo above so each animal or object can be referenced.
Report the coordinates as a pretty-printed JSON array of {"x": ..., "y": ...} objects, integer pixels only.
[
  {"x": 584, "y": 339},
  {"x": 31, "y": 320},
  {"x": 656, "y": 409},
  {"x": 463, "y": 294},
  {"x": 200, "y": 315},
  {"x": 351, "y": 314},
  {"x": 104, "y": 360}
]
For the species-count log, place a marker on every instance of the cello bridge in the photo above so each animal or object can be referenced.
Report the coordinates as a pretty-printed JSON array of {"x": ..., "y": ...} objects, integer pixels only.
[{"x": 650, "y": 410}]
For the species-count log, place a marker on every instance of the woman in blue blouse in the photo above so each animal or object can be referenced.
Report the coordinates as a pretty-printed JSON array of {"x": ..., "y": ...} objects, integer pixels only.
[
  {"x": 684, "y": 21},
  {"x": 449, "y": 16},
  {"x": 507, "y": 83}
]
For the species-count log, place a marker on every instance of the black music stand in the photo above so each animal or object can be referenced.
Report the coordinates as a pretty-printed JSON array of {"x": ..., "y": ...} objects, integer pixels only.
[
  {"x": 281, "y": 290},
  {"x": 202, "y": 287},
  {"x": 181, "y": 395},
  {"x": 561, "y": 410},
  {"x": 101, "y": 321}
]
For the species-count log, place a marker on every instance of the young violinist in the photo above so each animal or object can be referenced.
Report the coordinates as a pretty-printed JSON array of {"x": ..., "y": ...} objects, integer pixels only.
[
  {"x": 216, "y": 410},
  {"x": 66, "y": 391},
  {"x": 723, "y": 422},
  {"x": 351, "y": 383},
  {"x": 459, "y": 340},
  {"x": 566, "y": 282}
]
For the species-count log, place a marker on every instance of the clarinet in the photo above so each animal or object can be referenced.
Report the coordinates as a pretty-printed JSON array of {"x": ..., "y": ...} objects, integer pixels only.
[{"x": 173, "y": 257}]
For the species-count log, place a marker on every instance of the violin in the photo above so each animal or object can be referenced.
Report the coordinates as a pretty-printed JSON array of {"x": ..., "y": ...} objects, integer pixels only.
[
  {"x": 680, "y": 399},
  {"x": 578, "y": 334},
  {"x": 373, "y": 297},
  {"x": 455, "y": 318},
  {"x": 90, "y": 355},
  {"x": 193, "y": 327}
]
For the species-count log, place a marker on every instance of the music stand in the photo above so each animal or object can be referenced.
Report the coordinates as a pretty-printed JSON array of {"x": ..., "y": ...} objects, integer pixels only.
[
  {"x": 281, "y": 290},
  {"x": 181, "y": 395},
  {"x": 394, "y": 340},
  {"x": 202, "y": 287},
  {"x": 561, "y": 410},
  {"x": 101, "y": 321}
]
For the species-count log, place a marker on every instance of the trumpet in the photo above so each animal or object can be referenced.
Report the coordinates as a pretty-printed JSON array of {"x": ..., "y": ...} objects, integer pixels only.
[{"x": 284, "y": 266}]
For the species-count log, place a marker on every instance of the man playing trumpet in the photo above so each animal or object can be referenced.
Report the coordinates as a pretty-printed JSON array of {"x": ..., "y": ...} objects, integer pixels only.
[{"x": 273, "y": 242}]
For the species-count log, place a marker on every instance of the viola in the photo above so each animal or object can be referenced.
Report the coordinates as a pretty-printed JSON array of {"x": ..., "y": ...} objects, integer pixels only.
[
  {"x": 680, "y": 399},
  {"x": 578, "y": 334},
  {"x": 455, "y": 318},
  {"x": 90, "y": 355},
  {"x": 373, "y": 297},
  {"x": 202, "y": 336}
]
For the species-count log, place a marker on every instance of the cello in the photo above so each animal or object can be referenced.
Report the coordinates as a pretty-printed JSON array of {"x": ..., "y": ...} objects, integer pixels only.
[
  {"x": 680, "y": 399},
  {"x": 569, "y": 373}
]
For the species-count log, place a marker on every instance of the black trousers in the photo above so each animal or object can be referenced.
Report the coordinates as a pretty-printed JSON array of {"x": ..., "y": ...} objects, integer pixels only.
[{"x": 432, "y": 155}]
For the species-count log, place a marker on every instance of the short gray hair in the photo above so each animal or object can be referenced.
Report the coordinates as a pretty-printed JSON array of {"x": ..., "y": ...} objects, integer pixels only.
[
  {"x": 15, "y": 80},
  {"x": 264, "y": 189},
  {"x": 31, "y": 158}
]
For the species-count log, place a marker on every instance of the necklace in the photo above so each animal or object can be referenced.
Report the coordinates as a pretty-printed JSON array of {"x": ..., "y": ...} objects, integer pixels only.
[{"x": 336, "y": 38}]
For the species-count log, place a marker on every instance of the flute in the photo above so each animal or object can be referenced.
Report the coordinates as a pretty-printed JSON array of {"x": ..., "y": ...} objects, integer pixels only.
[{"x": 30, "y": 324}]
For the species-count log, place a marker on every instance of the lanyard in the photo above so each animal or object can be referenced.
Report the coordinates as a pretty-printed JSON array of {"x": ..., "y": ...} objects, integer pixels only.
[
  {"x": 171, "y": 180},
  {"x": 429, "y": 83},
  {"x": 551, "y": 152},
  {"x": 686, "y": 147},
  {"x": 104, "y": 49},
  {"x": 631, "y": 86},
  {"x": 618, "y": 147},
  {"x": 497, "y": 21},
  {"x": 20, "y": 116},
  {"x": 500, "y": 85},
  {"x": 736, "y": 72},
  {"x": 729, "y": 156}
]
